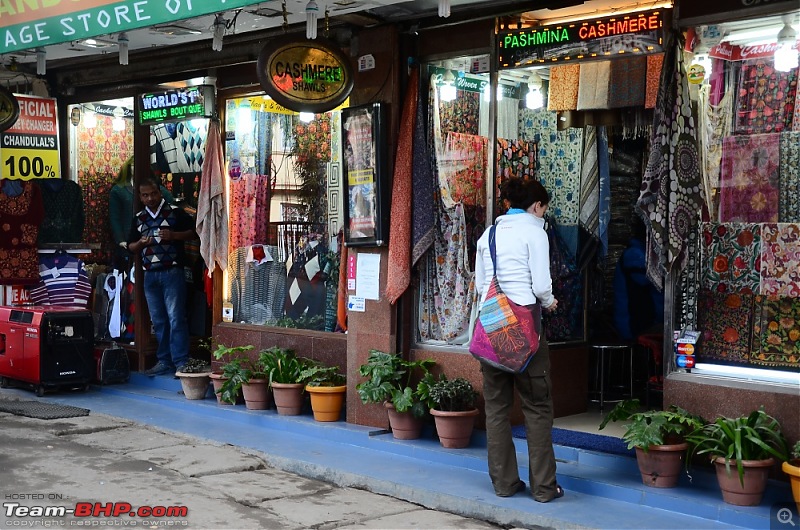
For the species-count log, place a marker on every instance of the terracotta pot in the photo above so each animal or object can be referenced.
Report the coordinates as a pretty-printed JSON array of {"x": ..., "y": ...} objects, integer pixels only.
[
  {"x": 256, "y": 394},
  {"x": 792, "y": 468},
  {"x": 661, "y": 465},
  {"x": 288, "y": 398},
  {"x": 195, "y": 386},
  {"x": 454, "y": 428},
  {"x": 404, "y": 425},
  {"x": 327, "y": 401},
  {"x": 218, "y": 380},
  {"x": 756, "y": 473}
]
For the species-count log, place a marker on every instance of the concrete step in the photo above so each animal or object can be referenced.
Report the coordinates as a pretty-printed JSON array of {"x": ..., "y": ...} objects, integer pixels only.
[{"x": 603, "y": 490}]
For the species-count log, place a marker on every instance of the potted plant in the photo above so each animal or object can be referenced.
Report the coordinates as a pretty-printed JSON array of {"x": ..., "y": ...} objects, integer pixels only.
[
  {"x": 792, "y": 468},
  {"x": 327, "y": 388},
  {"x": 453, "y": 410},
  {"x": 389, "y": 381},
  {"x": 283, "y": 369},
  {"x": 659, "y": 437},
  {"x": 254, "y": 384},
  {"x": 229, "y": 353},
  {"x": 194, "y": 378},
  {"x": 751, "y": 444}
]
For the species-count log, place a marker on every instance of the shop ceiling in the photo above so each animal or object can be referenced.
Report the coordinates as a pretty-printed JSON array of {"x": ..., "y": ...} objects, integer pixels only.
[{"x": 269, "y": 15}]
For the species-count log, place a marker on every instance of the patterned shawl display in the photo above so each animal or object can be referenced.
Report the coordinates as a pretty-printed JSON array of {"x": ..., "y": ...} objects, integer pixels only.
[
  {"x": 766, "y": 98},
  {"x": 731, "y": 260},
  {"x": 726, "y": 322},
  {"x": 627, "y": 82},
  {"x": 789, "y": 203},
  {"x": 780, "y": 259},
  {"x": 562, "y": 93},
  {"x": 776, "y": 332},
  {"x": 398, "y": 275},
  {"x": 654, "y": 64},
  {"x": 423, "y": 201},
  {"x": 671, "y": 196},
  {"x": 750, "y": 179},
  {"x": 594, "y": 85}
]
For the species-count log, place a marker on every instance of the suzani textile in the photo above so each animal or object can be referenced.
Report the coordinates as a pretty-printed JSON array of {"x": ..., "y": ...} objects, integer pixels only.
[
  {"x": 563, "y": 91},
  {"x": 750, "y": 178},
  {"x": 515, "y": 158},
  {"x": 731, "y": 257},
  {"x": 654, "y": 64},
  {"x": 462, "y": 170},
  {"x": 558, "y": 164},
  {"x": 725, "y": 320},
  {"x": 671, "y": 194},
  {"x": 789, "y": 205},
  {"x": 766, "y": 98},
  {"x": 780, "y": 259},
  {"x": 776, "y": 332}
]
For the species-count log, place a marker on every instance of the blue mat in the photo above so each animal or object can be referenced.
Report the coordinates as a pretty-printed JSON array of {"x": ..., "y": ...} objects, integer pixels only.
[{"x": 583, "y": 440}]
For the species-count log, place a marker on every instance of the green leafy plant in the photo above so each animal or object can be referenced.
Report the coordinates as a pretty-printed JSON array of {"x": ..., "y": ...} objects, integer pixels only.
[
  {"x": 196, "y": 366},
  {"x": 796, "y": 450},
  {"x": 281, "y": 365},
  {"x": 317, "y": 374},
  {"x": 453, "y": 395},
  {"x": 390, "y": 378},
  {"x": 231, "y": 352},
  {"x": 653, "y": 427},
  {"x": 757, "y": 436},
  {"x": 233, "y": 373}
]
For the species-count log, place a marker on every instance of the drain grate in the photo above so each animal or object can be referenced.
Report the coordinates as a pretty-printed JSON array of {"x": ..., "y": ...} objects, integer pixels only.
[{"x": 42, "y": 411}]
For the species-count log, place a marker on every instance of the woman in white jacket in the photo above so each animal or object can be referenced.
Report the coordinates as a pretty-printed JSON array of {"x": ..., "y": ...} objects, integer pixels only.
[{"x": 523, "y": 270}]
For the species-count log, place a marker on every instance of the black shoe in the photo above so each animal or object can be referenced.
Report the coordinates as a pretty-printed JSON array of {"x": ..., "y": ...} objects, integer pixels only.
[
  {"x": 558, "y": 495},
  {"x": 159, "y": 369}
]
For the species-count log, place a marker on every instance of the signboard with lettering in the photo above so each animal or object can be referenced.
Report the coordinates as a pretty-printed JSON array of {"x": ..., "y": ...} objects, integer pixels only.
[
  {"x": 732, "y": 52},
  {"x": 175, "y": 105},
  {"x": 9, "y": 108},
  {"x": 638, "y": 33},
  {"x": 305, "y": 76},
  {"x": 28, "y": 24},
  {"x": 29, "y": 148},
  {"x": 471, "y": 83}
]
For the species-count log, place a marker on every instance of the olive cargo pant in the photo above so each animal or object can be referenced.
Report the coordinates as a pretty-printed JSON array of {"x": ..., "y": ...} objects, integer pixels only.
[{"x": 533, "y": 386}]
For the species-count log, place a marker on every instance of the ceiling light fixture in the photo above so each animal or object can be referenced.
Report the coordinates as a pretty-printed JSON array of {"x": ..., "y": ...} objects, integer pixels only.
[
  {"x": 90, "y": 119},
  {"x": 122, "y": 41},
  {"x": 41, "y": 61},
  {"x": 598, "y": 13},
  {"x": 534, "y": 98},
  {"x": 312, "y": 12},
  {"x": 444, "y": 8},
  {"x": 487, "y": 95},
  {"x": 244, "y": 116},
  {"x": 218, "y": 30},
  {"x": 96, "y": 43},
  {"x": 306, "y": 117},
  {"x": 447, "y": 91},
  {"x": 786, "y": 53}
]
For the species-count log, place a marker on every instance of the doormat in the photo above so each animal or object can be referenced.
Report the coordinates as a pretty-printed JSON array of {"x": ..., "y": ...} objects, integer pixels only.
[
  {"x": 583, "y": 440},
  {"x": 42, "y": 411}
]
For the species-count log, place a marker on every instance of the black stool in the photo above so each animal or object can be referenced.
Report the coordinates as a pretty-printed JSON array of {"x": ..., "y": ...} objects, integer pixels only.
[{"x": 604, "y": 355}]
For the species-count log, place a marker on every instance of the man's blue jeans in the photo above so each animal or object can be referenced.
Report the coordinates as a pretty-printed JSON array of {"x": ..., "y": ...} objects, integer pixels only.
[{"x": 165, "y": 291}]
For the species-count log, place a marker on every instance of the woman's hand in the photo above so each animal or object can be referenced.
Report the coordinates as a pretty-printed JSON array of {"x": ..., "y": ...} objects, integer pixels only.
[{"x": 552, "y": 307}]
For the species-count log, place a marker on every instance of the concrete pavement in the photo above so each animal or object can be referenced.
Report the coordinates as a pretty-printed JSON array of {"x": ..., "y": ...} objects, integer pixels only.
[{"x": 112, "y": 461}]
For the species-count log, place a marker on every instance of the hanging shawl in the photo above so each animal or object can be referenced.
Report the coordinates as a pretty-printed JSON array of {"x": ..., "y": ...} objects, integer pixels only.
[
  {"x": 398, "y": 276},
  {"x": 212, "y": 219},
  {"x": 671, "y": 199},
  {"x": 423, "y": 199}
]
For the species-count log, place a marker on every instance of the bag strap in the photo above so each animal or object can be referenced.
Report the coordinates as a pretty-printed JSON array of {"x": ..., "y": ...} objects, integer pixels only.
[{"x": 493, "y": 249}]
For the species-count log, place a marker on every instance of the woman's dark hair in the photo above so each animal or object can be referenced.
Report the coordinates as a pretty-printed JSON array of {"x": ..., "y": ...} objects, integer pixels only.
[{"x": 522, "y": 193}]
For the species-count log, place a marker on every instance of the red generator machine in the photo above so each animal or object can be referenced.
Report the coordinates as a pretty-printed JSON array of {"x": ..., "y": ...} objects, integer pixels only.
[{"x": 47, "y": 347}]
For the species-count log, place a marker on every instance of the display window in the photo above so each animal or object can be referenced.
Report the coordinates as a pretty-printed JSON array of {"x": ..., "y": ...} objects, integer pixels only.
[
  {"x": 284, "y": 204},
  {"x": 743, "y": 290}
]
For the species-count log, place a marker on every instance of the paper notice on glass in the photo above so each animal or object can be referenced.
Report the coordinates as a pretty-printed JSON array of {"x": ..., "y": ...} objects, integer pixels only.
[{"x": 368, "y": 269}]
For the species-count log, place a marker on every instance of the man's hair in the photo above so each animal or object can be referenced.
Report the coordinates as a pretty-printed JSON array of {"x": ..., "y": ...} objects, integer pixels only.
[{"x": 150, "y": 181}]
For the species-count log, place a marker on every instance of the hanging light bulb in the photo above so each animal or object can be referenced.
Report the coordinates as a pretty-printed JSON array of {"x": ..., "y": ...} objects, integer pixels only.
[
  {"x": 786, "y": 53},
  {"x": 447, "y": 91},
  {"x": 122, "y": 42},
  {"x": 444, "y": 8},
  {"x": 312, "y": 11},
  {"x": 90, "y": 117},
  {"x": 534, "y": 98},
  {"x": 41, "y": 61},
  {"x": 306, "y": 117},
  {"x": 118, "y": 123},
  {"x": 218, "y": 32}
]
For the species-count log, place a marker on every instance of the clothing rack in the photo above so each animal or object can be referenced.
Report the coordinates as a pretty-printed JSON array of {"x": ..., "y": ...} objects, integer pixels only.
[{"x": 287, "y": 235}]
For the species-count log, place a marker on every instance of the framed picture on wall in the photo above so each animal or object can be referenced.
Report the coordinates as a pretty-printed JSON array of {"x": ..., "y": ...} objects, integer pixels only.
[{"x": 365, "y": 185}]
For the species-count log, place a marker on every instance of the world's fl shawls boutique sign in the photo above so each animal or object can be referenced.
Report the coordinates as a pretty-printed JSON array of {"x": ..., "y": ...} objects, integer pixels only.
[{"x": 32, "y": 23}]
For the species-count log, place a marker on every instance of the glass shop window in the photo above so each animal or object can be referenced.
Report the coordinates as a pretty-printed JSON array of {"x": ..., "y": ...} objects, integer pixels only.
[{"x": 284, "y": 208}]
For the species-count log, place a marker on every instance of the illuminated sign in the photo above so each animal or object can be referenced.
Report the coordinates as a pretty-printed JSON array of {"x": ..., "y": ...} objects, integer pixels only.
[
  {"x": 9, "y": 108},
  {"x": 176, "y": 105},
  {"x": 305, "y": 76},
  {"x": 638, "y": 33}
]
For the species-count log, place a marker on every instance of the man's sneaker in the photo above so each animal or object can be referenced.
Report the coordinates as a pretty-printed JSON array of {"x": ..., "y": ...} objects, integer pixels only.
[
  {"x": 179, "y": 368},
  {"x": 159, "y": 369}
]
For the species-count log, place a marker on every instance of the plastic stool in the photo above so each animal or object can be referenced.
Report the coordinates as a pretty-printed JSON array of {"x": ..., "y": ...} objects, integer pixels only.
[{"x": 603, "y": 354}]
